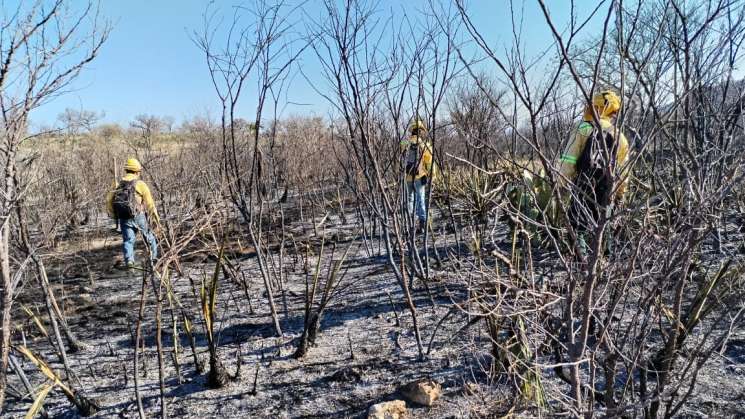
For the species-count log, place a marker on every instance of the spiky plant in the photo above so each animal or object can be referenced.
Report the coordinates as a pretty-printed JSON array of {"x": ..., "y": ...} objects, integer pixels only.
[
  {"x": 85, "y": 406},
  {"x": 217, "y": 377}
]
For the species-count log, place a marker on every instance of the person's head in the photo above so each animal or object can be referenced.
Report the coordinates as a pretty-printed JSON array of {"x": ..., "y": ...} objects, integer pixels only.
[
  {"x": 132, "y": 166},
  {"x": 418, "y": 128},
  {"x": 607, "y": 104}
]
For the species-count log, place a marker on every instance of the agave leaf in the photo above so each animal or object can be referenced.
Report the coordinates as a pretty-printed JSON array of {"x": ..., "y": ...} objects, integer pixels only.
[
  {"x": 39, "y": 401},
  {"x": 207, "y": 317},
  {"x": 166, "y": 279},
  {"x": 36, "y": 320},
  {"x": 699, "y": 305},
  {"x": 45, "y": 369},
  {"x": 215, "y": 277},
  {"x": 205, "y": 307}
]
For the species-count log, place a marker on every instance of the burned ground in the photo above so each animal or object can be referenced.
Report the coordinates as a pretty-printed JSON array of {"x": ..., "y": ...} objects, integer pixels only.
[{"x": 364, "y": 354}]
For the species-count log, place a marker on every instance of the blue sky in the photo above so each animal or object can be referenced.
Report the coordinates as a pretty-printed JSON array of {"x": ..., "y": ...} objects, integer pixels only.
[{"x": 150, "y": 64}]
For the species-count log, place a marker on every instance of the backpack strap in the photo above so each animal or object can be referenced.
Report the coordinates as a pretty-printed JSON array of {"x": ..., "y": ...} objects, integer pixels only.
[{"x": 588, "y": 157}]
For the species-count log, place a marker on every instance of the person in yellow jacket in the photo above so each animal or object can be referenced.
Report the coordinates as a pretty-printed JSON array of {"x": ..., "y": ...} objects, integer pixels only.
[
  {"x": 132, "y": 205},
  {"x": 585, "y": 163},
  {"x": 419, "y": 169}
]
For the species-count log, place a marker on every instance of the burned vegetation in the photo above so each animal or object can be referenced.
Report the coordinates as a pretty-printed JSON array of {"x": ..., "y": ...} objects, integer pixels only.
[{"x": 296, "y": 276}]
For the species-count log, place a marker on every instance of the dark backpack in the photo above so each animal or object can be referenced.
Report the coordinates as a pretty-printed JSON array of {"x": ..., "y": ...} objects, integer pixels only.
[
  {"x": 413, "y": 158},
  {"x": 125, "y": 200},
  {"x": 592, "y": 178}
]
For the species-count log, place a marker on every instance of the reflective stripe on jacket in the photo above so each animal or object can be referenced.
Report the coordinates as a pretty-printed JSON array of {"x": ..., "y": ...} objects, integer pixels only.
[{"x": 568, "y": 161}]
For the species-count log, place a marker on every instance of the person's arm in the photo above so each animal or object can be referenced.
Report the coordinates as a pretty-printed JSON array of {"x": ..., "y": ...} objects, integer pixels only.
[
  {"x": 622, "y": 156},
  {"x": 404, "y": 144},
  {"x": 427, "y": 160},
  {"x": 147, "y": 201},
  {"x": 568, "y": 160}
]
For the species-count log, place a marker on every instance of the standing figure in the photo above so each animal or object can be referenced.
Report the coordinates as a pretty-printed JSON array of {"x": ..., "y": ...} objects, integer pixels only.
[
  {"x": 418, "y": 154},
  {"x": 592, "y": 161},
  {"x": 132, "y": 205}
]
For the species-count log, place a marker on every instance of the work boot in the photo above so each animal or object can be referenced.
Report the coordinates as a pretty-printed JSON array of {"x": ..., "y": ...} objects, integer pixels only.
[{"x": 131, "y": 265}]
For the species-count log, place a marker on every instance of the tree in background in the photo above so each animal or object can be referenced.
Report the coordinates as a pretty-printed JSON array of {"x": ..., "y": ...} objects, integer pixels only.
[{"x": 44, "y": 46}]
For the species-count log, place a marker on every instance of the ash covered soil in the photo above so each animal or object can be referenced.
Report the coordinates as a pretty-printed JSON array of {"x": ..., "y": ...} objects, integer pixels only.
[{"x": 365, "y": 352}]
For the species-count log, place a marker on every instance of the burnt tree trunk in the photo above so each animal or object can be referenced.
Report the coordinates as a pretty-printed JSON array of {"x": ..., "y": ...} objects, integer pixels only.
[
  {"x": 308, "y": 338},
  {"x": 218, "y": 377}
]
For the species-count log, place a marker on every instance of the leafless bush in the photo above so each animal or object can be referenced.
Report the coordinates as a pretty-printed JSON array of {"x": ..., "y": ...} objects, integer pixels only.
[
  {"x": 621, "y": 328},
  {"x": 44, "y": 49},
  {"x": 630, "y": 315}
]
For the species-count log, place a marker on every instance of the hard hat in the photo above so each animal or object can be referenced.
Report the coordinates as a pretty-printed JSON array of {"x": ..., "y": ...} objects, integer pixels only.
[
  {"x": 417, "y": 124},
  {"x": 133, "y": 165},
  {"x": 606, "y": 103}
]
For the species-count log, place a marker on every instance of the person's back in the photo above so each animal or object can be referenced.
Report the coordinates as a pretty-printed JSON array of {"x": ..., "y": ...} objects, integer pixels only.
[
  {"x": 132, "y": 205},
  {"x": 595, "y": 162}
]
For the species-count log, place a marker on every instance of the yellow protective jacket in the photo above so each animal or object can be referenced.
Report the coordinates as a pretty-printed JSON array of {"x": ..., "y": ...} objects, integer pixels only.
[
  {"x": 569, "y": 159},
  {"x": 143, "y": 196},
  {"x": 425, "y": 163}
]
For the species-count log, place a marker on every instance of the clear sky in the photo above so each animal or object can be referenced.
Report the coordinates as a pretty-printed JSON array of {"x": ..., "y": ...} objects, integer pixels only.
[{"x": 150, "y": 64}]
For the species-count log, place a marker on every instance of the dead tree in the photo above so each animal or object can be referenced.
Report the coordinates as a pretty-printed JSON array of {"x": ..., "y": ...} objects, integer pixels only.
[
  {"x": 44, "y": 48},
  {"x": 319, "y": 293},
  {"x": 632, "y": 311},
  {"x": 257, "y": 50},
  {"x": 359, "y": 75}
]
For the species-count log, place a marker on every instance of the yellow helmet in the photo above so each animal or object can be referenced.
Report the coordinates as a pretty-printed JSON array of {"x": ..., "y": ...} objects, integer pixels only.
[
  {"x": 133, "y": 165},
  {"x": 417, "y": 125},
  {"x": 606, "y": 103}
]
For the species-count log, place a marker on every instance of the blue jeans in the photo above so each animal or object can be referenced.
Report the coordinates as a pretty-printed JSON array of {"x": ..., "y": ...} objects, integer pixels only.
[
  {"x": 416, "y": 193},
  {"x": 129, "y": 235}
]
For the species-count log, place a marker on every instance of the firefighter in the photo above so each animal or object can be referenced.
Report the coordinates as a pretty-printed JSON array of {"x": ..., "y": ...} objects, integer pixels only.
[
  {"x": 418, "y": 154},
  {"x": 597, "y": 155},
  {"x": 132, "y": 205}
]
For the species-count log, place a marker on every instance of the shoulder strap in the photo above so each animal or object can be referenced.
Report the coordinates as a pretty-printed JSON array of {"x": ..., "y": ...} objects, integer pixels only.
[
  {"x": 127, "y": 183},
  {"x": 593, "y": 154}
]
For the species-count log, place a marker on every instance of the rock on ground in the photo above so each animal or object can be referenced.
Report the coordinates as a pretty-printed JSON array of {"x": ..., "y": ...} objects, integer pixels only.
[
  {"x": 395, "y": 409},
  {"x": 423, "y": 392}
]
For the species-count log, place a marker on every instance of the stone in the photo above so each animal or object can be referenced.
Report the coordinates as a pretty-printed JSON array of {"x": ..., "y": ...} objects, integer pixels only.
[
  {"x": 422, "y": 392},
  {"x": 395, "y": 409}
]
